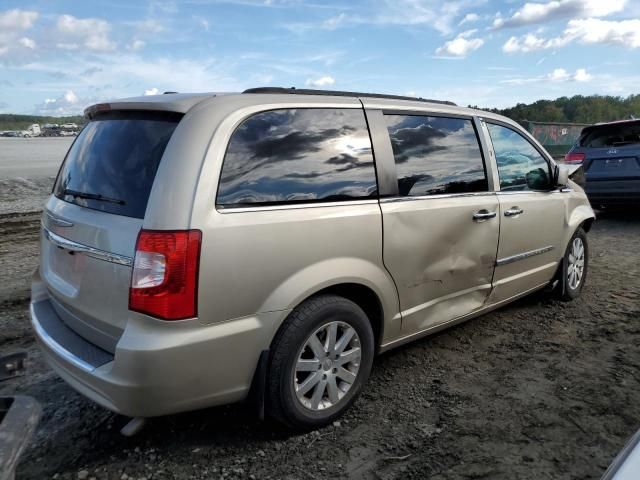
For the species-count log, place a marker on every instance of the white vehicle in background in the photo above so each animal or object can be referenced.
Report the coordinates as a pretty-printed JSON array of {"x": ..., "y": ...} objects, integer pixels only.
[
  {"x": 33, "y": 131},
  {"x": 69, "y": 126}
]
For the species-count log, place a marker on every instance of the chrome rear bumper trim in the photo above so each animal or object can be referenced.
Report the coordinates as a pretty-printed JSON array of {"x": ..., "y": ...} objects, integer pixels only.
[{"x": 72, "y": 246}]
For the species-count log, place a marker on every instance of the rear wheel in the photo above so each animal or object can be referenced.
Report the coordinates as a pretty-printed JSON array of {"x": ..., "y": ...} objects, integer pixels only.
[
  {"x": 320, "y": 360},
  {"x": 576, "y": 261}
]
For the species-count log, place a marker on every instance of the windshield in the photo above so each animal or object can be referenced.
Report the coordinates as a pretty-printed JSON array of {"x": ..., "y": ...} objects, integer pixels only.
[
  {"x": 113, "y": 162},
  {"x": 611, "y": 136}
]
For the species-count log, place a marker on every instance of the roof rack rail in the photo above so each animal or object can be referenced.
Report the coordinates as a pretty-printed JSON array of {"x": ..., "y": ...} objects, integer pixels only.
[{"x": 338, "y": 93}]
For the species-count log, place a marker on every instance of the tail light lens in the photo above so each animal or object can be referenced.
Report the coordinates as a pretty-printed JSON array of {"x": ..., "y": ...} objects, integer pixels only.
[
  {"x": 164, "y": 282},
  {"x": 574, "y": 158}
]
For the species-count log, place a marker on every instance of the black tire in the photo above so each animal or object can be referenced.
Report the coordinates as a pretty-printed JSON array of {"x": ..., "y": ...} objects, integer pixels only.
[
  {"x": 304, "y": 320},
  {"x": 567, "y": 292}
]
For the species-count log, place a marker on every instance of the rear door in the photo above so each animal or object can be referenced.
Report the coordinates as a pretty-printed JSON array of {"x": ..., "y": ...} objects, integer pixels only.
[
  {"x": 532, "y": 214},
  {"x": 440, "y": 224},
  {"x": 92, "y": 220}
]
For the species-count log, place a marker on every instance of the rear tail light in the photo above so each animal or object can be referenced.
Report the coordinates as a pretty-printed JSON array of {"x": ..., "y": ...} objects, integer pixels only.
[
  {"x": 164, "y": 282},
  {"x": 574, "y": 158}
]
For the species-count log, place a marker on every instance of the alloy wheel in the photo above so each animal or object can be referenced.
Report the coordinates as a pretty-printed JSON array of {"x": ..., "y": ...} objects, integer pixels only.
[
  {"x": 327, "y": 365},
  {"x": 575, "y": 268}
]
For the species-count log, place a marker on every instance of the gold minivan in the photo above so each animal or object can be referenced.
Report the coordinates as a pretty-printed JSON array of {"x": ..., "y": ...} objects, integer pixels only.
[{"x": 200, "y": 249}]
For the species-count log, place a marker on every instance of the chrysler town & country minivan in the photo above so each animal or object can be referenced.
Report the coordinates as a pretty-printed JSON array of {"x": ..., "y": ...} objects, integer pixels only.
[{"x": 199, "y": 248}]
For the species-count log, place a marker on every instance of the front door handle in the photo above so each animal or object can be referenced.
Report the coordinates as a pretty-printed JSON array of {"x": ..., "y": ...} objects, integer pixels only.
[
  {"x": 482, "y": 215},
  {"x": 513, "y": 211}
]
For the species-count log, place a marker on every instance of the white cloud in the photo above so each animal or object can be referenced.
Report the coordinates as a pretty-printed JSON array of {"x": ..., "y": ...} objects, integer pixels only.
[
  {"x": 27, "y": 43},
  {"x": 532, "y": 13},
  {"x": 430, "y": 13},
  {"x": 12, "y": 24},
  {"x": 334, "y": 22},
  {"x": 136, "y": 44},
  {"x": 202, "y": 21},
  {"x": 586, "y": 31},
  {"x": 558, "y": 75},
  {"x": 66, "y": 104},
  {"x": 526, "y": 43},
  {"x": 92, "y": 33},
  {"x": 460, "y": 46},
  {"x": 469, "y": 18},
  {"x": 320, "y": 82},
  {"x": 152, "y": 91},
  {"x": 581, "y": 75},
  {"x": 17, "y": 19}
]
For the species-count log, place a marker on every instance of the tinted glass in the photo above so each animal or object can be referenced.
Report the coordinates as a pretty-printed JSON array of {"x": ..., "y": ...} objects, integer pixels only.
[
  {"x": 298, "y": 155},
  {"x": 435, "y": 155},
  {"x": 113, "y": 162},
  {"x": 621, "y": 135},
  {"x": 520, "y": 165}
]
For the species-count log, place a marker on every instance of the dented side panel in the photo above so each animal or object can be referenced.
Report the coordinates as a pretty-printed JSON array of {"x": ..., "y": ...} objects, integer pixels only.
[{"x": 441, "y": 259}]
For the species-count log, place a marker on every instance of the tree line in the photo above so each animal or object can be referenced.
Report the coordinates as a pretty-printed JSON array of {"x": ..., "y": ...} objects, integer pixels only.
[{"x": 576, "y": 109}]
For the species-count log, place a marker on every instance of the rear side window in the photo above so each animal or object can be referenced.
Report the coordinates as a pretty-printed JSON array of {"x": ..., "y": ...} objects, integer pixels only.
[
  {"x": 520, "y": 165},
  {"x": 296, "y": 156},
  {"x": 612, "y": 136},
  {"x": 113, "y": 162},
  {"x": 435, "y": 155}
]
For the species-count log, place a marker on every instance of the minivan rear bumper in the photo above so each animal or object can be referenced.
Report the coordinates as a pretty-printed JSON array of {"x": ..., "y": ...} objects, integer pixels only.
[{"x": 158, "y": 367}]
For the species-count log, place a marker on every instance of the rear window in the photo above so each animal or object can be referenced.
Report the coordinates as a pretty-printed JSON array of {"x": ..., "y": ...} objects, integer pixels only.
[
  {"x": 298, "y": 156},
  {"x": 113, "y": 162},
  {"x": 611, "y": 136}
]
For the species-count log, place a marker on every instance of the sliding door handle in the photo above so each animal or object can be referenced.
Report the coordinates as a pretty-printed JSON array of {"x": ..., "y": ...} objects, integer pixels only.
[
  {"x": 513, "y": 211},
  {"x": 482, "y": 215}
]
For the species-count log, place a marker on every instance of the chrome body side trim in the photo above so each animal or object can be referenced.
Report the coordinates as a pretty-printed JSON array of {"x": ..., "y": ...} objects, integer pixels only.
[
  {"x": 292, "y": 206},
  {"x": 540, "y": 192},
  {"x": 522, "y": 256},
  {"x": 437, "y": 197},
  {"x": 76, "y": 247},
  {"x": 57, "y": 348}
]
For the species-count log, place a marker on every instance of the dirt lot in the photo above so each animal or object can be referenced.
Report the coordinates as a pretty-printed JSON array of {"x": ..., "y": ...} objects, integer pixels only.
[{"x": 539, "y": 389}]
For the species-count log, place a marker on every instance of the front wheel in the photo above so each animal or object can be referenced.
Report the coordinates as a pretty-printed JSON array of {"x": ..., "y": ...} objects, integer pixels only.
[
  {"x": 576, "y": 262},
  {"x": 320, "y": 360}
]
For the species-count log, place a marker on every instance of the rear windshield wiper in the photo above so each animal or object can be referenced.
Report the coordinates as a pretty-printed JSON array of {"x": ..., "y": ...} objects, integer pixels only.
[{"x": 92, "y": 196}]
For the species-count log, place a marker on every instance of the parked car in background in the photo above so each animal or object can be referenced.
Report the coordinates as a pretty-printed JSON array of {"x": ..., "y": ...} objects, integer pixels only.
[
  {"x": 197, "y": 248},
  {"x": 610, "y": 156}
]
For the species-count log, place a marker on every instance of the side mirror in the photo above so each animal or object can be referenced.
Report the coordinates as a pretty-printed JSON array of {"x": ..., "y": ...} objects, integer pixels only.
[{"x": 562, "y": 176}]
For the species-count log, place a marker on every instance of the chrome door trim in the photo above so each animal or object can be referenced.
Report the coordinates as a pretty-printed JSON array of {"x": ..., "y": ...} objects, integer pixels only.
[
  {"x": 295, "y": 206},
  {"x": 537, "y": 192},
  {"x": 76, "y": 247},
  {"x": 437, "y": 196},
  {"x": 522, "y": 256}
]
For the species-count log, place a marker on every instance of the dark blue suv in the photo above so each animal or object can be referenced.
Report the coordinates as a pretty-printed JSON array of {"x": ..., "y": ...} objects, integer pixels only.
[{"x": 610, "y": 155}]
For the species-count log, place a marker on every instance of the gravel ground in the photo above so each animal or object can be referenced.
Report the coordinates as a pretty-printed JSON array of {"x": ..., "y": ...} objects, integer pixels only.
[{"x": 539, "y": 389}]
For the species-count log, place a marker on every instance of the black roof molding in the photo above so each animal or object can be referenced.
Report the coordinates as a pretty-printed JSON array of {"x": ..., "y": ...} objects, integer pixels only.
[{"x": 337, "y": 93}]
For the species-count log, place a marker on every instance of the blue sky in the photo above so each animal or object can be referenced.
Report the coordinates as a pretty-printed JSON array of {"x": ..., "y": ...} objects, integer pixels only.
[{"x": 56, "y": 57}]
